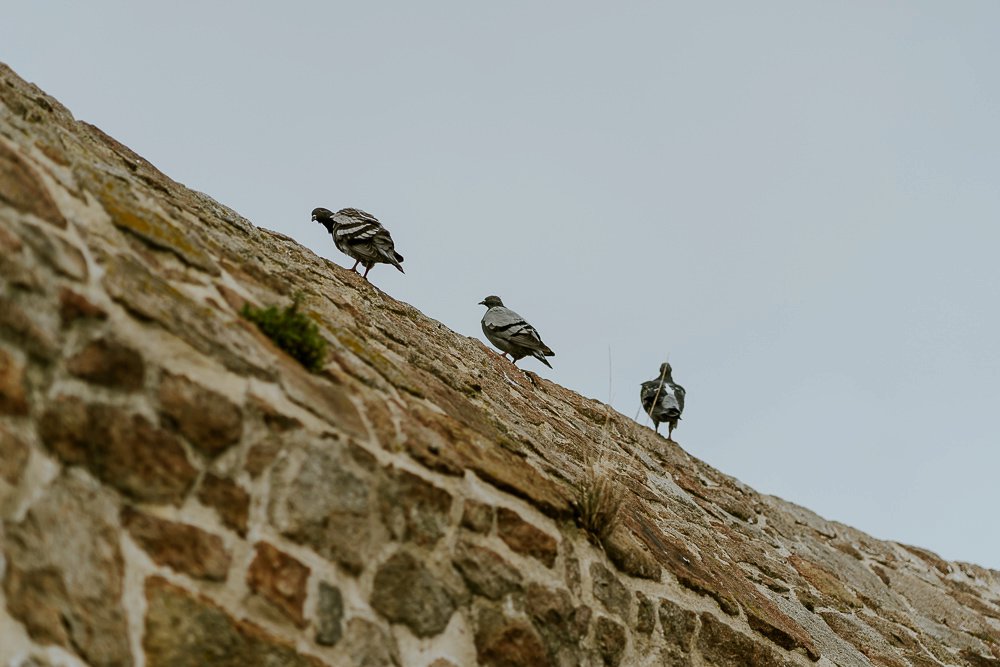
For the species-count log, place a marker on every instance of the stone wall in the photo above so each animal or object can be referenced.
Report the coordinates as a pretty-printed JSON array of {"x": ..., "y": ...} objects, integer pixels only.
[{"x": 175, "y": 491}]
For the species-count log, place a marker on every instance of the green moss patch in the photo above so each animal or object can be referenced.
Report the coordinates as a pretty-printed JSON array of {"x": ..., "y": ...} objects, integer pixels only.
[{"x": 292, "y": 331}]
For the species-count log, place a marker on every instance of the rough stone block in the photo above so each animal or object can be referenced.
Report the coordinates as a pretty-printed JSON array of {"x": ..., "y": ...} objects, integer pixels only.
[
  {"x": 64, "y": 574},
  {"x": 502, "y": 641},
  {"x": 13, "y": 388},
  {"x": 121, "y": 449},
  {"x": 485, "y": 572},
  {"x": 609, "y": 590},
  {"x": 329, "y": 615},
  {"x": 281, "y": 580},
  {"x": 229, "y": 500},
  {"x": 184, "y": 548},
  {"x": 477, "y": 516},
  {"x": 209, "y": 420},
  {"x": 184, "y": 630},
  {"x": 525, "y": 538},
  {"x": 406, "y": 591},
  {"x": 412, "y": 508},
  {"x": 108, "y": 363}
]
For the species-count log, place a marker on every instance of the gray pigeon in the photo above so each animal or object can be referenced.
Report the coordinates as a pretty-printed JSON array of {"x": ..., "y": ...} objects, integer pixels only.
[
  {"x": 663, "y": 400},
  {"x": 360, "y": 236},
  {"x": 509, "y": 332}
]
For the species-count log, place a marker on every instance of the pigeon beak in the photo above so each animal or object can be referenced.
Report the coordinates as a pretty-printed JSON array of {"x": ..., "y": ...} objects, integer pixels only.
[
  {"x": 482, "y": 303},
  {"x": 314, "y": 218}
]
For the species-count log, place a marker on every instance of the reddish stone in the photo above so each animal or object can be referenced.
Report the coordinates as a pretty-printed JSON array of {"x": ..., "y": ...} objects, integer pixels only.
[
  {"x": 524, "y": 538},
  {"x": 179, "y": 546},
  {"x": 13, "y": 391},
  {"x": 121, "y": 449},
  {"x": 502, "y": 641},
  {"x": 209, "y": 420},
  {"x": 108, "y": 363},
  {"x": 74, "y": 306},
  {"x": 186, "y": 630},
  {"x": 229, "y": 499},
  {"x": 279, "y": 579},
  {"x": 21, "y": 188}
]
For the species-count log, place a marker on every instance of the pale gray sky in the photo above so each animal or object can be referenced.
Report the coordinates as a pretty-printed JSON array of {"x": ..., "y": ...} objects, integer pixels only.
[{"x": 797, "y": 201}]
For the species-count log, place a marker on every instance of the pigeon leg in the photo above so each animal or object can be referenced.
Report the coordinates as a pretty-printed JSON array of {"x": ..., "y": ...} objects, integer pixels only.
[
  {"x": 670, "y": 432},
  {"x": 368, "y": 267},
  {"x": 355, "y": 267}
]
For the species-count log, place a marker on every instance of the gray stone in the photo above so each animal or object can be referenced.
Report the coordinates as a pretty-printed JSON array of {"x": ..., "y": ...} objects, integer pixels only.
[
  {"x": 327, "y": 506},
  {"x": 412, "y": 508},
  {"x": 645, "y": 614},
  {"x": 406, "y": 591},
  {"x": 367, "y": 645},
  {"x": 485, "y": 572},
  {"x": 64, "y": 574},
  {"x": 329, "y": 615},
  {"x": 609, "y": 590},
  {"x": 722, "y": 646}
]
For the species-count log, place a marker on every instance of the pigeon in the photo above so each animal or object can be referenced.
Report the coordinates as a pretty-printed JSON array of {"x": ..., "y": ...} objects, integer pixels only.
[
  {"x": 361, "y": 236},
  {"x": 509, "y": 332},
  {"x": 663, "y": 400}
]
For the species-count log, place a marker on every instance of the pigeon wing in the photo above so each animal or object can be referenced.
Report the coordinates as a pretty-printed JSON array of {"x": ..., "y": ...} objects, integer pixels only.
[{"x": 504, "y": 323}]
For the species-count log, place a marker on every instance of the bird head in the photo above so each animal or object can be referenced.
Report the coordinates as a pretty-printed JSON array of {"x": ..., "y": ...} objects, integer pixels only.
[
  {"x": 324, "y": 216},
  {"x": 491, "y": 302},
  {"x": 666, "y": 371}
]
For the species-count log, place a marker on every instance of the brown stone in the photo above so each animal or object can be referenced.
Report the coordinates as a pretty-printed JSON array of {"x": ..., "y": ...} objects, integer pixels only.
[
  {"x": 524, "y": 538},
  {"x": 149, "y": 296},
  {"x": 26, "y": 328},
  {"x": 412, "y": 508},
  {"x": 477, "y": 516},
  {"x": 611, "y": 640},
  {"x": 121, "y": 449},
  {"x": 722, "y": 646},
  {"x": 209, "y": 420},
  {"x": 13, "y": 388},
  {"x": 13, "y": 456},
  {"x": 64, "y": 573},
  {"x": 324, "y": 399},
  {"x": 279, "y": 579},
  {"x": 182, "y": 547},
  {"x": 679, "y": 624},
  {"x": 502, "y": 641},
  {"x": 22, "y": 189},
  {"x": 825, "y": 582},
  {"x": 645, "y": 618},
  {"x": 562, "y": 626},
  {"x": 57, "y": 252},
  {"x": 109, "y": 363},
  {"x": 74, "y": 306},
  {"x": 609, "y": 590},
  {"x": 229, "y": 500},
  {"x": 184, "y": 630},
  {"x": 485, "y": 572},
  {"x": 629, "y": 555},
  {"x": 406, "y": 591}
]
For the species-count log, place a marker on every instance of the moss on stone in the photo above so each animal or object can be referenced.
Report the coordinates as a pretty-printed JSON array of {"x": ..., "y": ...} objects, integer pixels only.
[{"x": 292, "y": 331}]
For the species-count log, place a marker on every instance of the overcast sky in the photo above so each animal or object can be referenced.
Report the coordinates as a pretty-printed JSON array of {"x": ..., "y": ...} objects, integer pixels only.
[{"x": 798, "y": 202}]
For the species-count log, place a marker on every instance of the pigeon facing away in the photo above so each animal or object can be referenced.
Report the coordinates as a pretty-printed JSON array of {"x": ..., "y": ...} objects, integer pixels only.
[
  {"x": 361, "y": 236},
  {"x": 663, "y": 400},
  {"x": 509, "y": 332}
]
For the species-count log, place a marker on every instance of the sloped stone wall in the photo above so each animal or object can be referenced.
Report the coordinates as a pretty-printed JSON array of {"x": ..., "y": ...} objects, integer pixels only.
[{"x": 175, "y": 491}]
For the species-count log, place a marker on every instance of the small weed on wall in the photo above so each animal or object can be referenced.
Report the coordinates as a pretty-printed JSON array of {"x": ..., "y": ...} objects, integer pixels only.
[{"x": 292, "y": 331}]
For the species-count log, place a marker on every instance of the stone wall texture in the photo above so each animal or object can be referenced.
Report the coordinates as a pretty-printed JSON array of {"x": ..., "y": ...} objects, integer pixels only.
[{"x": 176, "y": 491}]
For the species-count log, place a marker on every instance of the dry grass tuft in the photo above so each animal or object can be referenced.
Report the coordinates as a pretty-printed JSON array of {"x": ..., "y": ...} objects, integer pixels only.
[{"x": 598, "y": 499}]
